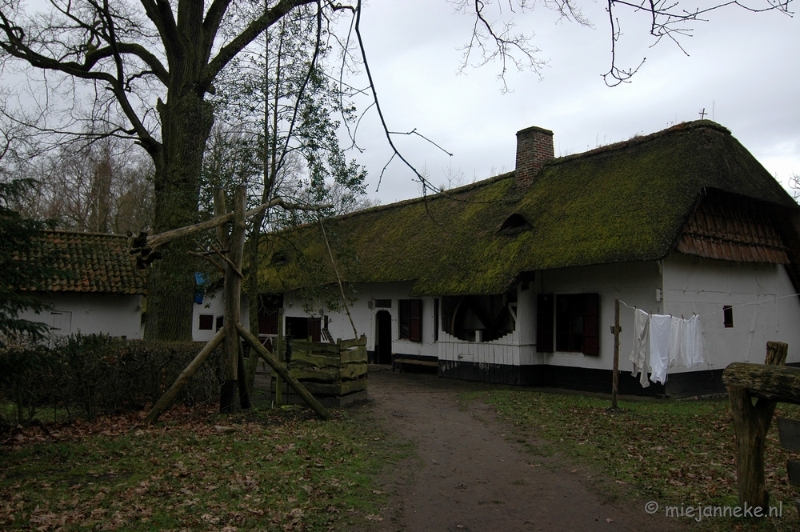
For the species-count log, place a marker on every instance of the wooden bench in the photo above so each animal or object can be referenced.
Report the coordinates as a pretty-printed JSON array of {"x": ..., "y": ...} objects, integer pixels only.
[{"x": 398, "y": 361}]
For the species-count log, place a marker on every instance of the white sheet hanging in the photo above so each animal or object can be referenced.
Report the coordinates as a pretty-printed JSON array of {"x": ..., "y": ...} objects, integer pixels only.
[
  {"x": 662, "y": 342},
  {"x": 640, "y": 353},
  {"x": 660, "y": 326},
  {"x": 692, "y": 343}
]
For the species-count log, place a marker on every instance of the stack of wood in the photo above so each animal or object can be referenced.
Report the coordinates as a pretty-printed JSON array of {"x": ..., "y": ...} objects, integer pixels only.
[{"x": 336, "y": 374}]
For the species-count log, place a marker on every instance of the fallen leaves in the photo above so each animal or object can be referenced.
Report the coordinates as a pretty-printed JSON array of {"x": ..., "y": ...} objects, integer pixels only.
[{"x": 276, "y": 470}]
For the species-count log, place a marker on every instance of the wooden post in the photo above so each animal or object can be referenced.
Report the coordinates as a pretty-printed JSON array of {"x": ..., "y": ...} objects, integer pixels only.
[
  {"x": 751, "y": 423},
  {"x": 616, "y": 329},
  {"x": 230, "y": 400},
  {"x": 283, "y": 372},
  {"x": 278, "y": 357},
  {"x": 166, "y": 399}
]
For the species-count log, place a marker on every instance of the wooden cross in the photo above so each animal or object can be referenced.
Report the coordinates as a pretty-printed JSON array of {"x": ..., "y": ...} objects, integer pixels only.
[{"x": 703, "y": 113}]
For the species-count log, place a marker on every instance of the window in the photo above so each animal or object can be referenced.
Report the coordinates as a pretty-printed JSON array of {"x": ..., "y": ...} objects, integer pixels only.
[
  {"x": 220, "y": 322},
  {"x": 483, "y": 318},
  {"x": 411, "y": 319},
  {"x": 727, "y": 316},
  {"x": 206, "y": 322},
  {"x": 61, "y": 321},
  {"x": 568, "y": 323},
  {"x": 304, "y": 328},
  {"x": 383, "y": 303}
]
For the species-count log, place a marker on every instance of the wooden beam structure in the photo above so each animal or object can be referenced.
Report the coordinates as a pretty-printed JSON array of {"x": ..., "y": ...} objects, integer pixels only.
[
  {"x": 751, "y": 421},
  {"x": 283, "y": 373}
]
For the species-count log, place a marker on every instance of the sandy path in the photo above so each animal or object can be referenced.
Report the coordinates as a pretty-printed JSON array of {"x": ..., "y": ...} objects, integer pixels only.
[{"x": 473, "y": 474}]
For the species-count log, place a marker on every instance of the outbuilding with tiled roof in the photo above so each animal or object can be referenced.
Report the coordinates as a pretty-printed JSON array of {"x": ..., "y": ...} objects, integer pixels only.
[{"x": 98, "y": 290}]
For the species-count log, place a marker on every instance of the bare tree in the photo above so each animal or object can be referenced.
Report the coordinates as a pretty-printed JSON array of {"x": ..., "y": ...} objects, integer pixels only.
[{"x": 102, "y": 188}]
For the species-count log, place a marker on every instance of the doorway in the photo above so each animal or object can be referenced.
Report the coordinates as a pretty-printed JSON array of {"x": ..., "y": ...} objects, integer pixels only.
[{"x": 383, "y": 337}]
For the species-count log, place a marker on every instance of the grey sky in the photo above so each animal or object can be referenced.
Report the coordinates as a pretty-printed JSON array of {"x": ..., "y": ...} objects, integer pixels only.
[{"x": 743, "y": 68}]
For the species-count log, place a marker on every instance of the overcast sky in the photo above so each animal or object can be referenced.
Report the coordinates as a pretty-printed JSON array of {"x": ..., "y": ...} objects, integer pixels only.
[{"x": 742, "y": 68}]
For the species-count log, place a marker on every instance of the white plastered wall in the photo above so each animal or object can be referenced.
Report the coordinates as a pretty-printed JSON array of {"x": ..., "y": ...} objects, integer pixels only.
[
  {"x": 214, "y": 305},
  {"x": 634, "y": 283},
  {"x": 364, "y": 317},
  {"x": 88, "y": 313},
  {"x": 764, "y": 306}
]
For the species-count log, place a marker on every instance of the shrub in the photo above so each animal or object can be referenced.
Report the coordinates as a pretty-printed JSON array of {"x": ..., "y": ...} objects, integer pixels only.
[{"x": 89, "y": 375}]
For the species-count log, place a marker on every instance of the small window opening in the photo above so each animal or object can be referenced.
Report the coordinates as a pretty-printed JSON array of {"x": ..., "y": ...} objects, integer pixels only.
[
  {"x": 278, "y": 259},
  {"x": 516, "y": 223},
  {"x": 206, "y": 322},
  {"x": 727, "y": 316}
]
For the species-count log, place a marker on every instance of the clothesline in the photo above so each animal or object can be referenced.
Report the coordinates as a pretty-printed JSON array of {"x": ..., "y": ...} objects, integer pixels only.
[{"x": 771, "y": 300}]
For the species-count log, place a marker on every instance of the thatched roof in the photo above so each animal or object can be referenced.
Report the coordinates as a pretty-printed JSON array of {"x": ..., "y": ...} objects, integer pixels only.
[
  {"x": 91, "y": 262},
  {"x": 623, "y": 202}
]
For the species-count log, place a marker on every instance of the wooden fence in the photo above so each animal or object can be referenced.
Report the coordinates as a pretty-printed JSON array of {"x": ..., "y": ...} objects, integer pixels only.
[{"x": 336, "y": 374}]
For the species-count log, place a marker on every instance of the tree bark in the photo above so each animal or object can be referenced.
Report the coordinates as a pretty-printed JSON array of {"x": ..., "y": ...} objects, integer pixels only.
[{"x": 186, "y": 125}]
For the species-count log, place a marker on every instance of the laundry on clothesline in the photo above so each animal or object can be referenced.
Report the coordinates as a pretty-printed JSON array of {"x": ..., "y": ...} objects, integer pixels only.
[{"x": 662, "y": 342}]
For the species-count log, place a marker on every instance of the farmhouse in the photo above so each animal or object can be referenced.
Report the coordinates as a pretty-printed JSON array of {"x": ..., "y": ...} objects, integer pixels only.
[
  {"x": 513, "y": 279},
  {"x": 101, "y": 290}
]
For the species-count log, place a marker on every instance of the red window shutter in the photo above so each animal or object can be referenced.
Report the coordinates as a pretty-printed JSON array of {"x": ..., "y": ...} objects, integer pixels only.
[
  {"x": 545, "y": 320},
  {"x": 415, "y": 320},
  {"x": 591, "y": 324},
  {"x": 315, "y": 329}
]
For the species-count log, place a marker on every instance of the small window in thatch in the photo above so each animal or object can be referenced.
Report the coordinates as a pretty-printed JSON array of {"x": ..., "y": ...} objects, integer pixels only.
[
  {"x": 278, "y": 259},
  {"x": 514, "y": 224}
]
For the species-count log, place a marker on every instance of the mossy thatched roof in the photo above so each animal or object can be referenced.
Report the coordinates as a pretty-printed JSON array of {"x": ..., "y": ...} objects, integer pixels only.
[{"x": 623, "y": 202}]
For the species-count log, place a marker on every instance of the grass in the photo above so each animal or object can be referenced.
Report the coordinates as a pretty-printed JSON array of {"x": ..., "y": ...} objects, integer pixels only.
[
  {"x": 272, "y": 470},
  {"x": 671, "y": 452}
]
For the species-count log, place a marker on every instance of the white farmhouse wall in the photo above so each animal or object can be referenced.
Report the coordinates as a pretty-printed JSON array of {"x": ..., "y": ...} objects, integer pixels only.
[
  {"x": 364, "y": 317},
  {"x": 87, "y": 313},
  {"x": 635, "y": 283},
  {"x": 764, "y": 306},
  {"x": 214, "y": 305}
]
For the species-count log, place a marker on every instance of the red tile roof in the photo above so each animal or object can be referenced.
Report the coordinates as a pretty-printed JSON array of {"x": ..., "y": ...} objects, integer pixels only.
[{"x": 93, "y": 262}]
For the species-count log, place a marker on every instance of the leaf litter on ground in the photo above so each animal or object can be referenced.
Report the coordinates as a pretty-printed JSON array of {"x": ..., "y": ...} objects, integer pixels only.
[{"x": 278, "y": 469}]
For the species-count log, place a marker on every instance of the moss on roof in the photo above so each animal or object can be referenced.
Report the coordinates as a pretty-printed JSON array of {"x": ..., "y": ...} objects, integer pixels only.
[
  {"x": 91, "y": 262},
  {"x": 623, "y": 202}
]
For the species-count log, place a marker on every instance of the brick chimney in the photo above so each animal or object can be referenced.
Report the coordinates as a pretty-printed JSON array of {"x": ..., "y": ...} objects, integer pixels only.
[{"x": 534, "y": 148}]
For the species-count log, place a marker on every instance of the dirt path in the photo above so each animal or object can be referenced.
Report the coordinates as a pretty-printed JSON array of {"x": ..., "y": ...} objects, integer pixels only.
[{"x": 473, "y": 474}]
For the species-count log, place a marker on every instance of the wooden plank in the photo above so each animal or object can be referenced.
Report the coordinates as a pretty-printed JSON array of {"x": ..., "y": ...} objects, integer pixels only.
[
  {"x": 304, "y": 359},
  {"x": 282, "y": 372},
  {"x": 789, "y": 433},
  {"x": 314, "y": 347},
  {"x": 355, "y": 342},
  {"x": 774, "y": 383},
  {"x": 336, "y": 389},
  {"x": 352, "y": 371},
  {"x": 793, "y": 468},
  {"x": 354, "y": 356}
]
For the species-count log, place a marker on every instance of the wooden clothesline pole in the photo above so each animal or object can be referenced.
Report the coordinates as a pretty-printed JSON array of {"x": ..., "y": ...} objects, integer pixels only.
[{"x": 615, "y": 329}]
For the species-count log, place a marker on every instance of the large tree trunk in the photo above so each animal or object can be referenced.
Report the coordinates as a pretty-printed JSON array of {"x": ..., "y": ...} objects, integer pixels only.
[{"x": 186, "y": 125}]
